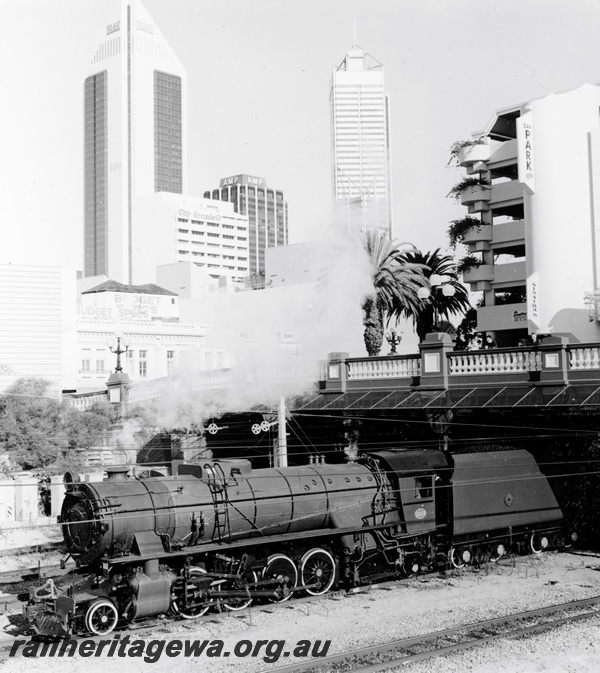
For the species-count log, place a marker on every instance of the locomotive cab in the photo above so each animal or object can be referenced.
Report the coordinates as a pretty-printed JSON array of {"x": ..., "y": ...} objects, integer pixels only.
[{"x": 417, "y": 477}]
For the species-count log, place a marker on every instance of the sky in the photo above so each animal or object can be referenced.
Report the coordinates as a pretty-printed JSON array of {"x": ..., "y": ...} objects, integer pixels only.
[{"x": 258, "y": 99}]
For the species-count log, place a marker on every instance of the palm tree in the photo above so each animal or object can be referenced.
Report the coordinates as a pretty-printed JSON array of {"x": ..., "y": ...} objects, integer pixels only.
[
  {"x": 396, "y": 283},
  {"x": 438, "y": 306}
]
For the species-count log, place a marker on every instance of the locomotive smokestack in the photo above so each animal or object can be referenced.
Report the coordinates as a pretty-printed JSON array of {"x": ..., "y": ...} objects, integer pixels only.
[{"x": 117, "y": 473}]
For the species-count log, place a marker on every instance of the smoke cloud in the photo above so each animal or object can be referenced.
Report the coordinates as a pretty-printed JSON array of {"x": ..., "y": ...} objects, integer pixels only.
[{"x": 268, "y": 344}]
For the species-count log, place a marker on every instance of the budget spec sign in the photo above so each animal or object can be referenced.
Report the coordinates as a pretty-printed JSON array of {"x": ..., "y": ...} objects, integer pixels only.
[{"x": 127, "y": 307}]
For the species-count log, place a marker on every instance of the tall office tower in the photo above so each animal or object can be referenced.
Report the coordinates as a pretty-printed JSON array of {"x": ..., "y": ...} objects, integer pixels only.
[
  {"x": 361, "y": 144},
  {"x": 267, "y": 217},
  {"x": 135, "y": 137}
]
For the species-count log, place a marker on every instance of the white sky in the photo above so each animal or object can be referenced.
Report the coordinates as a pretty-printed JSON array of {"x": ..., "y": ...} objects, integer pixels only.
[{"x": 258, "y": 98}]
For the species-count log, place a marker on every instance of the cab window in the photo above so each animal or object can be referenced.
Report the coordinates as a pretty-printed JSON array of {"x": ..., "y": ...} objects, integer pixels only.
[{"x": 423, "y": 488}]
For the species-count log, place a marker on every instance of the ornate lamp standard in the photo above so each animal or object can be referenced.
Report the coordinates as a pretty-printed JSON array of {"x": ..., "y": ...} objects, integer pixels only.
[
  {"x": 437, "y": 283},
  {"x": 394, "y": 340},
  {"x": 118, "y": 381},
  {"x": 114, "y": 345}
]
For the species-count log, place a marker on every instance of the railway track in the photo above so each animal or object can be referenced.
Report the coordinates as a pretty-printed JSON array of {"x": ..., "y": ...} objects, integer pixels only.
[
  {"x": 395, "y": 653},
  {"x": 439, "y": 643}
]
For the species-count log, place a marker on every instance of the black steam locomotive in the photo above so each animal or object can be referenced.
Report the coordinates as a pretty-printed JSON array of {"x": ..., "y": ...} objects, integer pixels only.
[{"x": 220, "y": 535}]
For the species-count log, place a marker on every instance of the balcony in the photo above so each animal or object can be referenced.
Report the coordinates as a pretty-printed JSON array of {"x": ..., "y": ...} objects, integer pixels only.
[
  {"x": 473, "y": 153},
  {"x": 504, "y": 154},
  {"x": 506, "y": 194},
  {"x": 513, "y": 273},
  {"x": 475, "y": 193},
  {"x": 476, "y": 198},
  {"x": 478, "y": 274},
  {"x": 481, "y": 232},
  {"x": 509, "y": 232}
]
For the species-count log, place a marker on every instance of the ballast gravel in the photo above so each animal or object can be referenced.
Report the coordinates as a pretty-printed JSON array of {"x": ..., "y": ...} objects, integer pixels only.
[{"x": 417, "y": 606}]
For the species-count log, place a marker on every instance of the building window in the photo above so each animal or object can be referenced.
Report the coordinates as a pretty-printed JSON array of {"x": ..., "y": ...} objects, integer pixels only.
[
  {"x": 168, "y": 140},
  {"x": 99, "y": 366},
  {"x": 85, "y": 365},
  {"x": 143, "y": 365},
  {"x": 170, "y": 361}
]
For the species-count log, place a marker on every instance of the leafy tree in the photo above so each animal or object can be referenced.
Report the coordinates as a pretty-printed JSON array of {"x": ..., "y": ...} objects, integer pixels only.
[
  {"x": 424, "y": 312},
  {"x": 396, "y": 282},
  {"x": 41, "y": 431},
  {"x": 31, "y": 422},
  {"x": 85, "y": 428}
]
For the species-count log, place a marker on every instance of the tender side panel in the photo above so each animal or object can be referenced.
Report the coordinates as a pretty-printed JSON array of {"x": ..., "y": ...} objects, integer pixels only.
[{"x": 492, "y": 491}]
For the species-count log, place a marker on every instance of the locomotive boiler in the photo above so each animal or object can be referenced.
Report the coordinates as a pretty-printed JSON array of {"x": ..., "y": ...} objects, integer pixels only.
[{"x": 221, "y": 534}]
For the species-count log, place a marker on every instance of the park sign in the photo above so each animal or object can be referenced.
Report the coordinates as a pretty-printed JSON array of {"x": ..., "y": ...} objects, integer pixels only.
[{"x": 525, "y": 146}]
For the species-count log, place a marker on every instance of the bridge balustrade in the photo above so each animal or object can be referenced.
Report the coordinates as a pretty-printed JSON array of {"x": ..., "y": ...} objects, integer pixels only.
[
  {"x": 584, "y": 357},
  {"x": 406, "y": 366},
  {"x": 494, "y": 362},
  {"x": 553, "y": 361}
]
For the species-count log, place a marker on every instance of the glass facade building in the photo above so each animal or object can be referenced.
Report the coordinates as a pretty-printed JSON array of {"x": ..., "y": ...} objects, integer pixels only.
[
  {"x": 267, "y": 215},
  {"x": 135, "y": 138},
  {"x": 361, "y": 151},
  {"x": 95, "y": 175},
  {"x": 168, "y": 175}
]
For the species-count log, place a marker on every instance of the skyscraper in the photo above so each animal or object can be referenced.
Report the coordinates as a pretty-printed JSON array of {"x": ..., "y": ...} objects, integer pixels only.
[
  {"x": 135, "y": 136},
  {"x": 361, "y": 144},
  {"x": 267, "y": 215}
]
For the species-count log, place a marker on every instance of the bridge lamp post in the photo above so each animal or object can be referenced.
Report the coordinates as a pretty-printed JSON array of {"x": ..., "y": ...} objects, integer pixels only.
[
  {"x": 437, "y": 284},
  {"x": 118, "y": 381},
  {"x": 114, "y": 345},
  {"x": 394, "y": 340}
]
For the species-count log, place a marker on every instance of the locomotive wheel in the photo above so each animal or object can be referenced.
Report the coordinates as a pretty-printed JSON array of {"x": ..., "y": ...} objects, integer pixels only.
[
  {"x": 192, "y": 611},
  {"x": 234, "y": 604},
  {"x": 101, "y": 617},
  {"x": 412, "y": 566},
  {"x": 498, "y": 551},
  {"x": 538, "y": 543},
  {"x": 317, "y": 567},
  {"x": 459, "y": 557},
  {"x": 281, "y": 567}
]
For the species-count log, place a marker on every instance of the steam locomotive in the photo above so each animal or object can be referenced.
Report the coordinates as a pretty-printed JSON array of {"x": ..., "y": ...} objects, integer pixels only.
[{"x": 220, "y": 535}]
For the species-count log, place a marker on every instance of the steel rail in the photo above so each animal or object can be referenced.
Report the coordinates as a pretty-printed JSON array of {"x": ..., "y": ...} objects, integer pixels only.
[{"x": 428, "y": 638}]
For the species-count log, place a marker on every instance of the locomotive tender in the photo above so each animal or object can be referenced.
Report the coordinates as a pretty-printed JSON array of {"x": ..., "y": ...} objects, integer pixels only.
[{"x": 221, "y": 534}]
